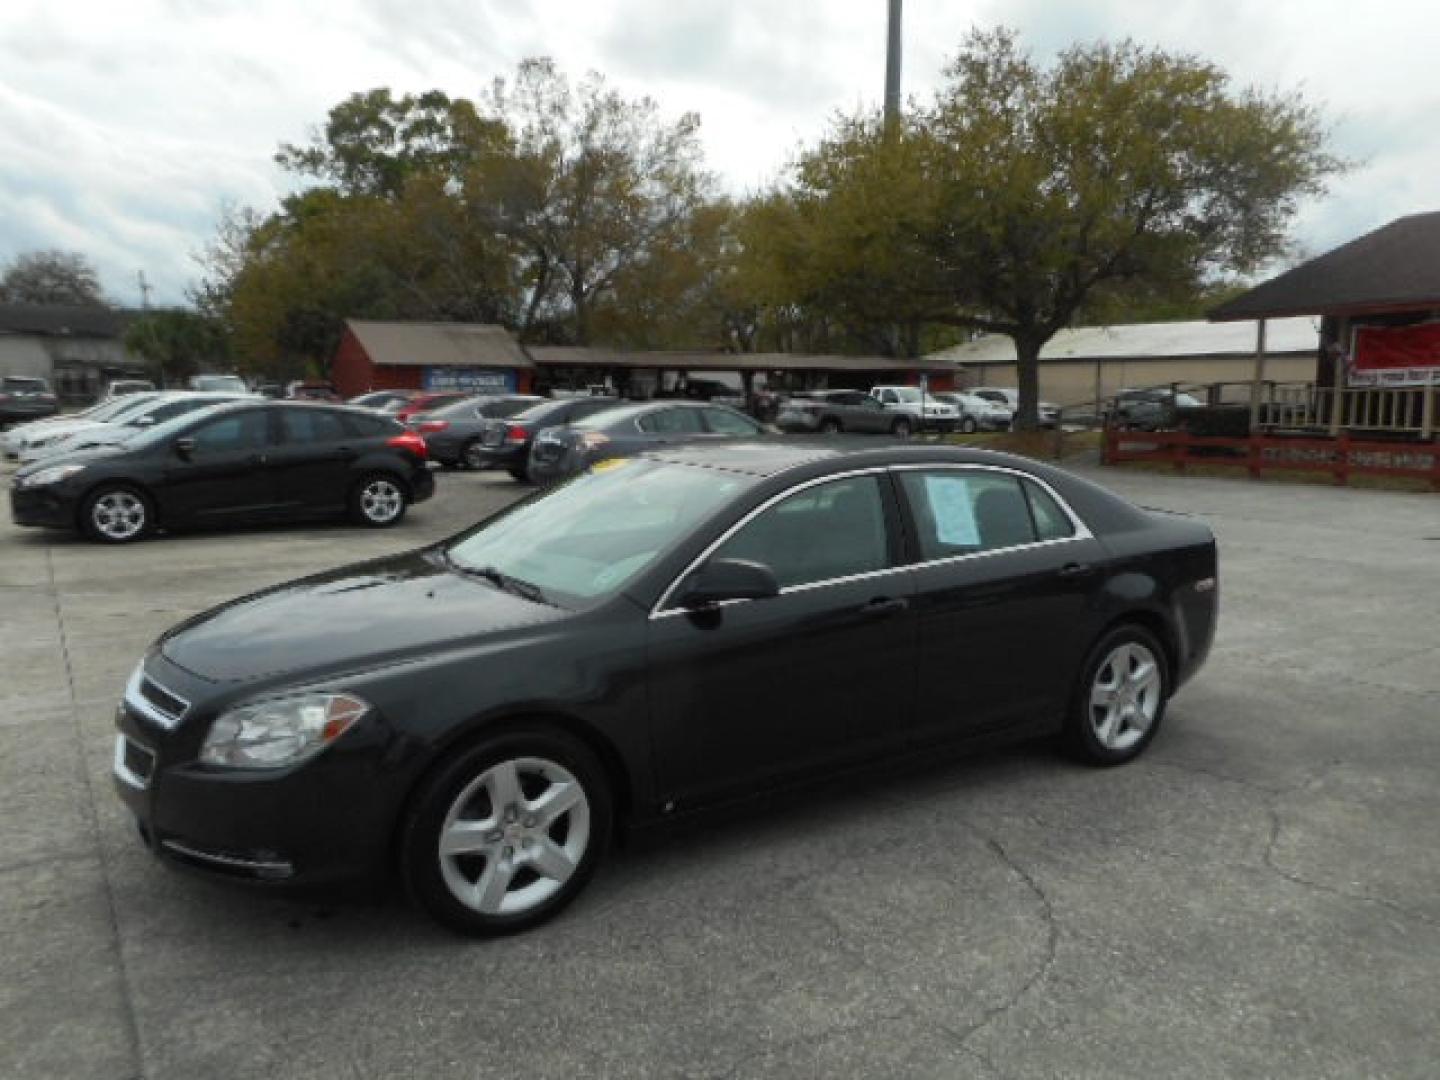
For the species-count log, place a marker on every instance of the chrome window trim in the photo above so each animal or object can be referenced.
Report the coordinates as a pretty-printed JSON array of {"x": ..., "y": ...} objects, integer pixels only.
[
  {"x": 123, "y": 771},
  {"x": 136, "y": 702},
  {"x": 1082, "y": 531}
]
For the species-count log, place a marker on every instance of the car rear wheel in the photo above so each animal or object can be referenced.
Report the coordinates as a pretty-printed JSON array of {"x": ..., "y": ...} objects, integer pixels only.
[
  {"x": 902, "y": 429},
  {"x": 1121, "y": 697},
  {"x": 116, "y": 514},
  {"x": 506, "y": 835},
  {"x": 969, "y": 426},
  {"x": 829, "y": 426},
  {"x": 472, "y": 455},
  {"x": 520, "y": 473},
  {"x": 378, "y": 501}
]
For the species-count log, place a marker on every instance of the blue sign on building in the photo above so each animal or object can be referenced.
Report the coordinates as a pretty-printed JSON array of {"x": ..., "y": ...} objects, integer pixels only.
[{"x": 471, "y": 380}]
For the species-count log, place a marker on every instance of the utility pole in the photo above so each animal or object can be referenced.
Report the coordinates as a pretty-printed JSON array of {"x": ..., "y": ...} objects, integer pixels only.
[
  {"x": 892, "y": 67},
  {"x": 144, "y": 290}
]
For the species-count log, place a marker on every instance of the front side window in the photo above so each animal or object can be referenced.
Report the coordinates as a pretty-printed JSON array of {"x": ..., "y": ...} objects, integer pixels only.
[
  {"x": 672, "y": 422},
  {"x": 232, "y": 434},
  {"x": 830, "y": 530},
  {"x": 961, "y": 512}
]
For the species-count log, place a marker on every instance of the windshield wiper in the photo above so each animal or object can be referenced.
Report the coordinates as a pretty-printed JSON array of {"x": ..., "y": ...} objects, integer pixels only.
[{"x": 519, "y": 586}]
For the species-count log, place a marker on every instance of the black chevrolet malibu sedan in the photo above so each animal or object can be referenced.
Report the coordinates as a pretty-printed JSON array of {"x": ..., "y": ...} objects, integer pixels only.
[
  {"x": 660, "y": 635},
  {"x": 252, "y": 461}
]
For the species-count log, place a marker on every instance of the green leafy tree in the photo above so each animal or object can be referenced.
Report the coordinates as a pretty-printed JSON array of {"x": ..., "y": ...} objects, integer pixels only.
[
  {"x": 51, "y": 277},
  {"x": 177, "y": 343}
]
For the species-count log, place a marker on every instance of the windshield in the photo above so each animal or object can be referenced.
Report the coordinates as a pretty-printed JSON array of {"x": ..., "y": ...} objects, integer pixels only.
[
  {"x": 217, "y": 382},
  {"x": 587, "y": 539},
  {"x": 23, "y": 385},
  {"x": 907, "y": 393}
]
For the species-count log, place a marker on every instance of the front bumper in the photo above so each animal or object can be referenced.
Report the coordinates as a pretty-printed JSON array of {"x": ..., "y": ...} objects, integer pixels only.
[
  {"x": 327, "y": 820},
  {"x": 422, "y": 485},
  {"x": 49, "y": 507}
]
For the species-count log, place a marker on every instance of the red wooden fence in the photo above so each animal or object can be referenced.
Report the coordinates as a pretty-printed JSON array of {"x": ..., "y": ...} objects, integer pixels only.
[{"x": 1341, "y": 456}]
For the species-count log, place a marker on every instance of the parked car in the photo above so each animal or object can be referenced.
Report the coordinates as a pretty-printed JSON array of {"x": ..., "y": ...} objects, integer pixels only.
[
  {"x": 122, "y": 387},
  {"x": 232, "y": 384},
  {"x": 558, "y": 452},
  {"x": 379, "y": 399},
  {"x": 453, "y": 431},
  {"x": 832, "y": 411},
  {"x": 1150, "y": 409},
  {"x": 160, "y": 408},
  {"x": 978, "y": 413},
  {"x": 923, "y": 411},
  {"x": 245, "y": 461},
  {"x": 23, "y": 440},
  {"x": 13, "y": 437},
  {"x": 505, "y": 444},
  {"x": 423, "y": 402},
  {"x": 312, "y": 391},
  {"x": 669, "y": 634},
  {"x": 1009, "y": 397},
  {"x": 272, "y": 390},
  {"x": 23, "y": 397}
]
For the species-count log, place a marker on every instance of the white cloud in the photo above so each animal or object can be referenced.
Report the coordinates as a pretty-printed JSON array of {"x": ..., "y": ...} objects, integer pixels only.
[{"x": 125, "y": 127}]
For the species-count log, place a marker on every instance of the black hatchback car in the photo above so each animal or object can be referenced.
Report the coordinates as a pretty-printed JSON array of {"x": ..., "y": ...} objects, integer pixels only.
[
  {"x": 663, "y": 634},
  {"x": 249, "y": 461}
]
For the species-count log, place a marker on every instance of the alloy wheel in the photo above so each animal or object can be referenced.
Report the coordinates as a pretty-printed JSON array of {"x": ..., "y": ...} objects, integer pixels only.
[
  {"x": 381, "y": 501},
  {"x": 118, "y": 515},
  {"x": 514, "y": 836},
  {"x": 1125, "y": 696},
  {"x": 473, "y": 456}
]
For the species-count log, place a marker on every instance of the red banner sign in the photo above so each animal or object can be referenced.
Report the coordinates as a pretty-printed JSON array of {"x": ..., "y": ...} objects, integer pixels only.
[{"x": 1396, "y": 355}]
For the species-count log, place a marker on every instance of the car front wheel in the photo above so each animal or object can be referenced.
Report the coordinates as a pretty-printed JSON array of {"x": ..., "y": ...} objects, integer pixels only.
[
  {"x": 1120, "y": 699},
  {"x": 902, "y": 429},
  {"x": 829, "y": 426},
  {"x": 969, "y": 426},
  {"x": 506, "y": 835},
  {"x": 473, "y": 455},
  {"x": 116, "y": 514},
  {"x": 378, "y": 501}
]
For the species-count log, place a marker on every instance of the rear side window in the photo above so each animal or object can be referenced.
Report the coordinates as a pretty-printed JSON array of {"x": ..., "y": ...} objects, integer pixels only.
[
  {"x": 308, "y": 425},
  {"x": 370, "y": 427},
  {"x": 725, "y": 422},
  {"x": 1051, "y": 522},
  {"x": 672, "y": 421},
  {"x": 960, "y": 512},
  {"x": 590, "y": 406}
]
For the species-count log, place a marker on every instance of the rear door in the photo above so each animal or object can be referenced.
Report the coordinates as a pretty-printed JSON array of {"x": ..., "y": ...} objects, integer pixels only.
[
  {"x": 1004, "y": 581},
  {"x": 225, "y": 474},
  {"x": 311, "y": 464},
  {"x": 867, "y": 415}
]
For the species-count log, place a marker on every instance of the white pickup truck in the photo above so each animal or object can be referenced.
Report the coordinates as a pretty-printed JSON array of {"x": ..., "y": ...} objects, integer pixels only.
[{"x": 926, "y": 411}]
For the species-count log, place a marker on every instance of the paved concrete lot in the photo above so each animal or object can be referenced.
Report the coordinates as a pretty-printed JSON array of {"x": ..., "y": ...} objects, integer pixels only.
[{"x": 1257, "y": 896}]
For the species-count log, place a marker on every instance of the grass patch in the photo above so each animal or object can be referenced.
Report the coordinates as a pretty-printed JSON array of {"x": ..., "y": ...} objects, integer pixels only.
[
  {"x": 1053, "y": 445},
  {"x": 1371, "y": 481}
]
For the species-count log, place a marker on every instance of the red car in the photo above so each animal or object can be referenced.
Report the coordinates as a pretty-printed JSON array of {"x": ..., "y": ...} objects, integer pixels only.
[
  {"x": 312, "y": 391},
  {"x": 425, "y": 403}
]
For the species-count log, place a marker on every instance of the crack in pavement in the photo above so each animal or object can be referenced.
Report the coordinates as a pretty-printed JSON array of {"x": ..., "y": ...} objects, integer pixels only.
[{"x": 132, "y": 1024}]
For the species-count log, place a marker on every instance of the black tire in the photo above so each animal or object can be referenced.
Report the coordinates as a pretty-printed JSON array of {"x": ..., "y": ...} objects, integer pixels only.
[
  {"x": 520, "y": 474},
  {"x": 1084, "y": 720},
  {"x": 429, "y": 875},
  {"x": 369, "y": 492},
  {"x": 117, "y": 514},
  {"x": 472, "y": 455},
  {"x": 830, "y": 426},
  {"x": 969, "y": 426},
  {"x": 902, "y": 428}
]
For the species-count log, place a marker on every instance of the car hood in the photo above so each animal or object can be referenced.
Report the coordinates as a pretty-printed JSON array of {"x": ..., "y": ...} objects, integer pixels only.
[
  {"x": 67, "y": 457},
  {"x": 348, "y": 619},
  {"x": 60, "y": 428}
]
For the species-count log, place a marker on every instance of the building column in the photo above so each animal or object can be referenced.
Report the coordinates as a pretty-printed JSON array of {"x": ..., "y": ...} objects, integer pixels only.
[{"x": 1257, "y": 384}]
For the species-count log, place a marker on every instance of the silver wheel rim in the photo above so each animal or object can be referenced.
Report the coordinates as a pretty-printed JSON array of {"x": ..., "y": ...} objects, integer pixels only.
[
  {"x": 118, "y": 515},
  {"x": 381, "y": 500},
  {"x": 514, "y": 836},
  {"x": 1125, "y": 696},
  {"x": 473, "y": 456}
]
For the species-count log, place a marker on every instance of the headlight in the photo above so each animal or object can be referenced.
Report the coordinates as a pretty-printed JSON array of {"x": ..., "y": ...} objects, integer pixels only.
[
  {"x": 593, "y": 440},
  {"x": 281, "y": 732},
  {"x": 52, "y": 475}
]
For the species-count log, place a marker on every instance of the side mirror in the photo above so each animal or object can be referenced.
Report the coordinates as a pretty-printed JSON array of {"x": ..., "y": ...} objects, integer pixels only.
[
  {"x": 729, "y": 579},
  {"x": 185, "y": 446},
  {"x": 145, "y": 421}
]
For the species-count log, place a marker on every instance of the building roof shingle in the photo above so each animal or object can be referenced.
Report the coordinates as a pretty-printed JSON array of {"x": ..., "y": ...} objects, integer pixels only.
[
  {"x": 1394, "y": 268},
  {"x": 436, "y": 344},
  {"x": 1147, "y": 341},
  {"x": 63, "y": 320},
  {"x": 697, "y": 360}
]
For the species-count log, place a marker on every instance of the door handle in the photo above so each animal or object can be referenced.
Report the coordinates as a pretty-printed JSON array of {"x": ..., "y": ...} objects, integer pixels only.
[
  {"x": 1073, "y": 570},
  {"x": 259, "y": 459},
  {"x": 884, "y": 605}
]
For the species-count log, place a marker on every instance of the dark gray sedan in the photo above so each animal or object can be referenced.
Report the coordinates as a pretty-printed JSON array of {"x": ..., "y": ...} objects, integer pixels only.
[
  {"x": 628, "y": 429},
  {"x": 505, "y": 444},
  {"x": 452, "y": 432},
  {"x": 832, "y": 411}
]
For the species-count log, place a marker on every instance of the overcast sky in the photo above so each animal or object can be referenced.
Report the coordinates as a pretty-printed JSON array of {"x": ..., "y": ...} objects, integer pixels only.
[{"x": 125, "y": 128}]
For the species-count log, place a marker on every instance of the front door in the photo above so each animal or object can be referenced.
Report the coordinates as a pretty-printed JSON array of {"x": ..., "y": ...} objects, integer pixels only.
[
  {"x": 748, "y": 693},
  {"x": 219, "y": 470},
  {"x": 1003, "y": 592}
]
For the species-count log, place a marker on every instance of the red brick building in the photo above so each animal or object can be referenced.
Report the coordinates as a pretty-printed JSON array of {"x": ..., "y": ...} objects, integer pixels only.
[{"x": 429, "y": 356}]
